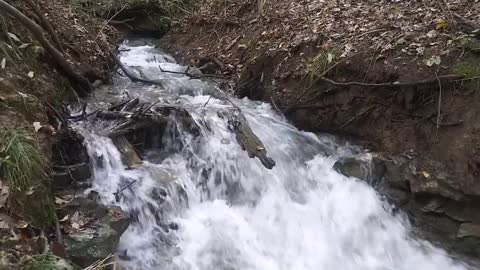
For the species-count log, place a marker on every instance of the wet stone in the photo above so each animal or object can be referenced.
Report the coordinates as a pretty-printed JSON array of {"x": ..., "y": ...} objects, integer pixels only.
[
  {"x": 63, "y": 177},
  {"x": 370, "y": 171},
  {"x": 99, "y": 237},
  {"x": 469, "y": 230}
]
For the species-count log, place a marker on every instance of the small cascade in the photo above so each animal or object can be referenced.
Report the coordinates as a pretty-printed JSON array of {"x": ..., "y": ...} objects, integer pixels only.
[{"x": 199, "y": 202}]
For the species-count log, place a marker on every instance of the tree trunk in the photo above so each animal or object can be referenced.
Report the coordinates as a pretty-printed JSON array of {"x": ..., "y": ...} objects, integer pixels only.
[
  {"x": 45, "y": 24},
  {"x": 83, "y": 85}
]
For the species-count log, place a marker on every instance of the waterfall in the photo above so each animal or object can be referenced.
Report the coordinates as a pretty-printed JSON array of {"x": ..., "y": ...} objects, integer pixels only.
[{"x": 204, "y": 204}]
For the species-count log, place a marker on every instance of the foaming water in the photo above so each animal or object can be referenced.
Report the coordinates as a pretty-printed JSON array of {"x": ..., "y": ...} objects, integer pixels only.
[{"x": 209, "y": 206}]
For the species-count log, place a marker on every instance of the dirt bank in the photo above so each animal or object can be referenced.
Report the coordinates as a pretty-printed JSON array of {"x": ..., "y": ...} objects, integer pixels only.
[
  {"x": 399, "y": 76},
  {"x": 33, "y": 92}
]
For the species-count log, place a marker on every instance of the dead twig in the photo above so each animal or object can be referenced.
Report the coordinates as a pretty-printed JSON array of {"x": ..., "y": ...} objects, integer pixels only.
[
  {"x": 357, "y": 116},
  {"x": 192, "y": 76},
  {"x": 132, "y": 76},
  {"x": 307, "y": 89},
  {"x": 443, "y": 78}
]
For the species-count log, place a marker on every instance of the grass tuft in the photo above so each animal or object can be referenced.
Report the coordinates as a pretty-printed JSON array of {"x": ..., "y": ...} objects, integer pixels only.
[
  {"x": 21, "y": 162},
  {"x": 23, "y": 166},
  {"x": 319, "y": 64}
]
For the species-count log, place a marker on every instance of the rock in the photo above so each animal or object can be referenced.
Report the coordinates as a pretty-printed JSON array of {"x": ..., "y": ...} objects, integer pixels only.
[
  {"x": 469, "y": 230},
  {"x": 398, "y": 172},
  {"x": 370, "y": 171},
  {"x": 99, "y": 237},
  {"x": 423, "y": 184},
  {"x": 63, "y": 176},
  {"x": 48, "y": 262}
]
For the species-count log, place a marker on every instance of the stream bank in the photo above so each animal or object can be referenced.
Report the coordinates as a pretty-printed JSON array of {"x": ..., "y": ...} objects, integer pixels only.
[{"x": 303, "y": 57}]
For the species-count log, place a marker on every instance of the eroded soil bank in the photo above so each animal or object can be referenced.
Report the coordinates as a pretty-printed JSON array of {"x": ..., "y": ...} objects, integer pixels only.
[{"x": 399, "y": 77}]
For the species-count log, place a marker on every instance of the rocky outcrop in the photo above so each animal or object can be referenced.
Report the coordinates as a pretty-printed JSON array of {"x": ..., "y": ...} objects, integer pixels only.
[
  {"x": 98, "y": 237},
  {"x": 438, "y": 210}
]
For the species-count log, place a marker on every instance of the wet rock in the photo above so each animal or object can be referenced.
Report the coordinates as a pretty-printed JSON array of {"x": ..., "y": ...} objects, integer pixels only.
[
  {"x": 49, "y": 262},
  {"x": 370, "y": 170},
  {"x": 398, "y": 172},
  {"x": 64, "y": 176},
  {"x": 99, "y": 236},
  {"x": 431, "y": 184},
  {"x": 469, "y": 230}
]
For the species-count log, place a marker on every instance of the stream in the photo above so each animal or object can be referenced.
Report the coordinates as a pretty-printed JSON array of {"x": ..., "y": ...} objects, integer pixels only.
[{"x": 199, "y": 202}]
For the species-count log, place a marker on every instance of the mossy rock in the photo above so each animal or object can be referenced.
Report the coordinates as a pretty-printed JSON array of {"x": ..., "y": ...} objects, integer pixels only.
[{"x": 48, "y": 262}]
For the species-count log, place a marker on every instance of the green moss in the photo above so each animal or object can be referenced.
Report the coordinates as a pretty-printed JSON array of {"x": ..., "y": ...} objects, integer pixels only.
[
  {"x": 470, "y": 68},
  {"x": 48, "y": 262},
  {"x": 23, "y": 166}
]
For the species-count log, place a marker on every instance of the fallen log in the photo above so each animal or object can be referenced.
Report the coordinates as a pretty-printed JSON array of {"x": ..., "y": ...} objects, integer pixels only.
[
  {"x": 245, "y": 137},
  {"x": 132, "y": 76},
  {"x": 128, "y": 152},
  {"x": 130, "y": 105}
]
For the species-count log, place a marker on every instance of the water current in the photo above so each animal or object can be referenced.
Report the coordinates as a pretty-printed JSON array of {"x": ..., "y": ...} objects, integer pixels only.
[{"x": 200, "y": 203}]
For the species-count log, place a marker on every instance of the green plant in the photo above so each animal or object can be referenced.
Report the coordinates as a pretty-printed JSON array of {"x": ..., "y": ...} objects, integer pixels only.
[
  {"x": 23, "y": 166},
  {"x": 319, "y": 64},
  {"x": 21, "y": 161}
]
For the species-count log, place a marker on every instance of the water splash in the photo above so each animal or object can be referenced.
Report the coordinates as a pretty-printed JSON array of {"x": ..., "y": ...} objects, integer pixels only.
[{"x": 209, "y": 206}]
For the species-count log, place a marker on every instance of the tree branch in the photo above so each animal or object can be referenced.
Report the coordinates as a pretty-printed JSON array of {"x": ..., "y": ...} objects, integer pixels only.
[
  {"x": 83, "y": 84},
  {"x": 46, "y": 24},
  {"x": 395, "y": 84}
]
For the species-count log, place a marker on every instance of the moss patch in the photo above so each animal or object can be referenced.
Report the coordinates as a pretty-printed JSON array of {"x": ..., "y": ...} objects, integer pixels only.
[{"x": 470, "y": 68}]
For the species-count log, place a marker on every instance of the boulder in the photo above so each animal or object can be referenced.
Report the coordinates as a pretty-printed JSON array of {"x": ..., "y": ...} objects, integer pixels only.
[
  {"x": 78, "y": 174},
  {"x": 99, "y": 236},
  {"x": 370, "y": 170}
]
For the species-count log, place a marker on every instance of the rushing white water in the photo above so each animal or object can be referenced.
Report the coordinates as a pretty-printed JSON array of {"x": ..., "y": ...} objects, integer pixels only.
[{"x": 209, "y": 206}]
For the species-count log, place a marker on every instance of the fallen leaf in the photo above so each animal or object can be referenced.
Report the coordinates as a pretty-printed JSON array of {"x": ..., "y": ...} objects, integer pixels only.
[
  {"x": 30, "y": 191},
  {"x": 61, "y": 201},
  {"x": 21, "y": 224},
  {"x": 434, "y": 60},
  {"x": 37, "y": 126},
  {"x": 4, "y": 191},
  {"x": 24, "y": 45},
  {"x": 432, "y": 34},
  {"x": 441, "y": 24},
  {"x": 4, "y": 63},
  {"x": 13, "y": 36},
  {"x": 65, "y": 218},
  {"x": 330, "y": 58},
  {"x": 420, "y": 50},
  {"x": 76, "y": 226},
  {"x": 425, "y": 174}
]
